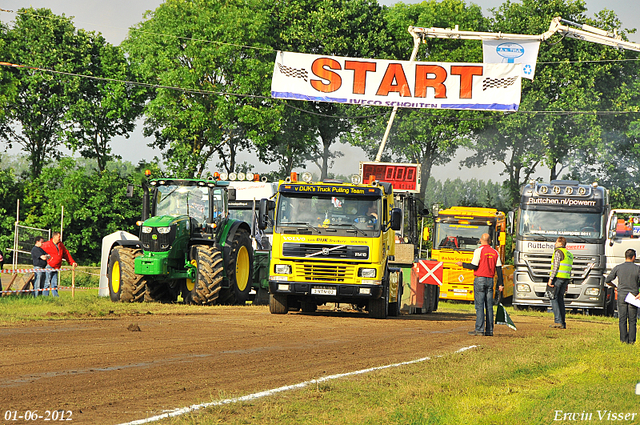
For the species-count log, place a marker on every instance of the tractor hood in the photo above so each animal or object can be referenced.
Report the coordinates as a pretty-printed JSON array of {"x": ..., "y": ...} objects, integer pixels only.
[{"x": 165, "y": 220}]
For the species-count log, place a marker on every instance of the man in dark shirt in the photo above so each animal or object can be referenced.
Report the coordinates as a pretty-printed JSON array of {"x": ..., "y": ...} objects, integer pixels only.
[
  {"x": 39, "y": 258},
  {"x": 628, "y": 275}
]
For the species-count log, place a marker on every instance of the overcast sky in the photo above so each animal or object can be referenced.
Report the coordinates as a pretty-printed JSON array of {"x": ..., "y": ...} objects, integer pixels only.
[{"x": 112, "y": 18}]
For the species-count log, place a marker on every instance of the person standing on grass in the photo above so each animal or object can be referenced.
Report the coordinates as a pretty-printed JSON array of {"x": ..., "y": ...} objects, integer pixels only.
[
  {"x": 56, "y": 249},
  {"x": 485, "y": 264},
  {"x": 559, "y": 278},
  {"x": 39, "y": 258},
  {"x": 628, "y": 275}
]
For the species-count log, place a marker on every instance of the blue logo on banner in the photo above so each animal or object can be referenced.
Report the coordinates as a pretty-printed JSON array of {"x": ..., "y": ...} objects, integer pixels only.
[{"x": 510, "y": 51}]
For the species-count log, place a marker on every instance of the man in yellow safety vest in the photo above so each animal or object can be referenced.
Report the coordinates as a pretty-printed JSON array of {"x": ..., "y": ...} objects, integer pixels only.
[{"x": 559, "y": 278}]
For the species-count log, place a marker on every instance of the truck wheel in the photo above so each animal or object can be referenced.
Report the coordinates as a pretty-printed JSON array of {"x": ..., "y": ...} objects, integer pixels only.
[
  {"x": 278, "y": 304},
  {"x": 394, "y": 308},
  {"x": 124, "y": 284},
  {"x": 205, "y": 288},
  {"x": 308, "y": 306},
  {"x": 379, "y": 309},
  {"x": 239, "y": 269}
]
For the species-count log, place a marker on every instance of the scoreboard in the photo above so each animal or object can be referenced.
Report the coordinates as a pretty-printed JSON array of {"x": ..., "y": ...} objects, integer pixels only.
[{"x": 403, "y": 177}]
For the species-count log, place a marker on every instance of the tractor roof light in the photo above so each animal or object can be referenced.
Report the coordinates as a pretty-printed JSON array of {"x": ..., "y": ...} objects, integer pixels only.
[
  {"x": 216, "y": 175},
  {"x": 223, "y": 176},
  {"x": 307, "y": 177},
  {"x": 147, "y": 173}
]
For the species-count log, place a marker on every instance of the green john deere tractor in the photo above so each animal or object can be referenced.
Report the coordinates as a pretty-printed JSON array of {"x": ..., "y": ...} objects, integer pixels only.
[{"x": 187, "y": 246}]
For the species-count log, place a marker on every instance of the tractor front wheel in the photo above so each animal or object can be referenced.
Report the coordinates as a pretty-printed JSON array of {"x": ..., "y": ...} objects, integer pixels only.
[{"x": 124, "y": 284}]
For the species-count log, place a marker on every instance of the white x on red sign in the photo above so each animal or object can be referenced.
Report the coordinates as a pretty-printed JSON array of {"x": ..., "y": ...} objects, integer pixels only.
[{"x": 430, "y": 272}]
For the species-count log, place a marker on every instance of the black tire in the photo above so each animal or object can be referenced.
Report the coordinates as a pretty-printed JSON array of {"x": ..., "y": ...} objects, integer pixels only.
[
  {"x": 278, "y": 304},
  {"x": 205, "y": 288},
  {"x": 124, "y": 284},
  {"x": 436, "y": 299},
  {"x": 379, "y": 308},
  {"x": 239, "y": 268},
  {"x": 308, "y": 306},
  {"x": 394, "y": 307},
  {"x": 428, "y": 302},
  {"x": 161, "y": 291},
  {"x": 517, "y": 307}
]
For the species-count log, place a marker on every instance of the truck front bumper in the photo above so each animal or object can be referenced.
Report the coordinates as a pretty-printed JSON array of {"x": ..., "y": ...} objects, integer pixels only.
[{"x": 327, "y": 292}]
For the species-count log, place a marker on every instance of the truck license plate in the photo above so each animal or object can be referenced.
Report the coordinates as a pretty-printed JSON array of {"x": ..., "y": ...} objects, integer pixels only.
[{"x": 323, "y": 290}]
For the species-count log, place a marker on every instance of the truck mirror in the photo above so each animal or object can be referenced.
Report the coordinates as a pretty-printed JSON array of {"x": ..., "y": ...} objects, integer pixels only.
[
  {"x": 129, "y": 191},
  {"x": 232, "y": 193},
  {"x": 263, "y": 214},
  {"x": 396, "y": 219},
  {"x": 510, "y": 216},
  {"x": 425, "y": 234}
]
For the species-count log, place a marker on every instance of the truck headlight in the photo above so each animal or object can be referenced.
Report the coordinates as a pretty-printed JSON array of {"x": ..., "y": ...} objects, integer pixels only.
[
  {"x": 593, "y": 292},
  {"x": 367, "y": 273},
  {"x": 523, "y": 287},
  {"x": 164, "y": 230},
  {"x": 146, "y": 229},
  {"x": 283, "y": 269}
]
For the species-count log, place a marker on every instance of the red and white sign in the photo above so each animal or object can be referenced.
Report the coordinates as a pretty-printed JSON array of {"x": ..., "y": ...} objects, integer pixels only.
[
  {"x": 381, "y": 82},
  {"x": 430, "y": 272}
]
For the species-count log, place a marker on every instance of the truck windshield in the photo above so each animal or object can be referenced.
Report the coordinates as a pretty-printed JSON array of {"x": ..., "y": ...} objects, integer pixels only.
[
  {"x": 465, "y": 237},
  {"x": 330, "y": 212},
  {"x": 553, "y": 224}
]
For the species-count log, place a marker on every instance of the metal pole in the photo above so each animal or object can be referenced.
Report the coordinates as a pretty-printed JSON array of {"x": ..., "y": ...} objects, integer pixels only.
[
  {"x": 61, "y": 221},
  {"x": 414, "y": 53},
  {"x": 14, "y": 255}
]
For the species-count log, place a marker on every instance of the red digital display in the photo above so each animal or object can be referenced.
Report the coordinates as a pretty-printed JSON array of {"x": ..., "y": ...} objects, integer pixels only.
[{"x": 403, "y": 177}]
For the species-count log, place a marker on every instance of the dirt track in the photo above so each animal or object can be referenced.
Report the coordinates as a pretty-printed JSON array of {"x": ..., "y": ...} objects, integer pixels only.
[{"x": 106, "y": 374}]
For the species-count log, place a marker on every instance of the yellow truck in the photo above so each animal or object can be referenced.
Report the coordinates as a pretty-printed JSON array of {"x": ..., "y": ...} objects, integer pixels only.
[
  {"x": 332, "y": 243},
  {"x": 456, "y": 235}
]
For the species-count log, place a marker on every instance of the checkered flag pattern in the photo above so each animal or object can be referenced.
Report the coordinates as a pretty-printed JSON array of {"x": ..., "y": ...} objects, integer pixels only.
[
  {"x": 293, "y": 72},
  {"x": 497, "y": 83}
]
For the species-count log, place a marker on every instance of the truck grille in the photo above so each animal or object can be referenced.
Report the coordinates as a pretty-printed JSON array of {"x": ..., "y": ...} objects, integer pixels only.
[
  {"x": 161, "y": 242},
  {"x": 325, "y": 251},
  {"x": 540, "y": 265},
  {"x": 319, "y": 272}
]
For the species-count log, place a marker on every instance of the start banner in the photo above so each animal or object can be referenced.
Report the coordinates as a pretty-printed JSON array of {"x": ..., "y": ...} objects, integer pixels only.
[{"x": 380, "y": 82}]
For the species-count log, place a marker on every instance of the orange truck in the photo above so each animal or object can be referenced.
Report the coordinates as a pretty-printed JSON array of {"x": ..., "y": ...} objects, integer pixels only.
[{"x": 455, "y": 236}]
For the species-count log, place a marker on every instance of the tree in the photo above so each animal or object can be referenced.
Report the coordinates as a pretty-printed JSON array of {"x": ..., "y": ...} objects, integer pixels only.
[
  {"x": 36, "y": 115},
  {"x": 197, "y": 47},
  {"x": 572, "y": 76},
  {"x": 106, "y": 106}
]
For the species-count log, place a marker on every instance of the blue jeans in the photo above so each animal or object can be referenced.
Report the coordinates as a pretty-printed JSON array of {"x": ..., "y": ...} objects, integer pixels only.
[
  {"x": 38, "y": 283},
  {"x": 483, "y": 300},
  {"x": 557, "y": 304},
  {"x": 51, "y": 282}
]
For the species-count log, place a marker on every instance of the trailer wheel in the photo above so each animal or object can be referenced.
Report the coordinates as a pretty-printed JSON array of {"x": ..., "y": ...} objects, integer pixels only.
[
  {"x": 239, "y": 269},
  {"x": 278, "y": 304},
  {"x": 379, "y": 308},
  {"x": 124, "y": 284},
  {"x": 205, "y": 288}
]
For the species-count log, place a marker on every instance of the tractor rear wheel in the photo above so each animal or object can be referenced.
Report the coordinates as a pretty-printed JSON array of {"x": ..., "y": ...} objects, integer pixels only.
[
  {"x": 239, "y": 269},
  {"x": 205, "y": 288},
  {"x": 124, "y": 284}
]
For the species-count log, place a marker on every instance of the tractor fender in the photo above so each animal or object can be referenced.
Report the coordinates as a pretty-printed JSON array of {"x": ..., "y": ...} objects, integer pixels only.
[{"x": 119, "y": 238}]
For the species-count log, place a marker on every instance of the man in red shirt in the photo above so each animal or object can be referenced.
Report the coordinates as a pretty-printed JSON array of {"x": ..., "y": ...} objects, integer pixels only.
[
  {"x": 485, "y": 264},
  {"x": 57, "y": 251}
]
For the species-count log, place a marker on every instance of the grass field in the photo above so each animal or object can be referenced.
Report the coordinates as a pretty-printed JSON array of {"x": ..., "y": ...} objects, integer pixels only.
[{"x": 547, "y": 377}]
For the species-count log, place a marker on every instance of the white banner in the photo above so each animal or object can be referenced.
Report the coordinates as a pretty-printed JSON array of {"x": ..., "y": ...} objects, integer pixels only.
[
  {"x": 379, "y": 82},
  {"x": 512, "y": 51}
]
